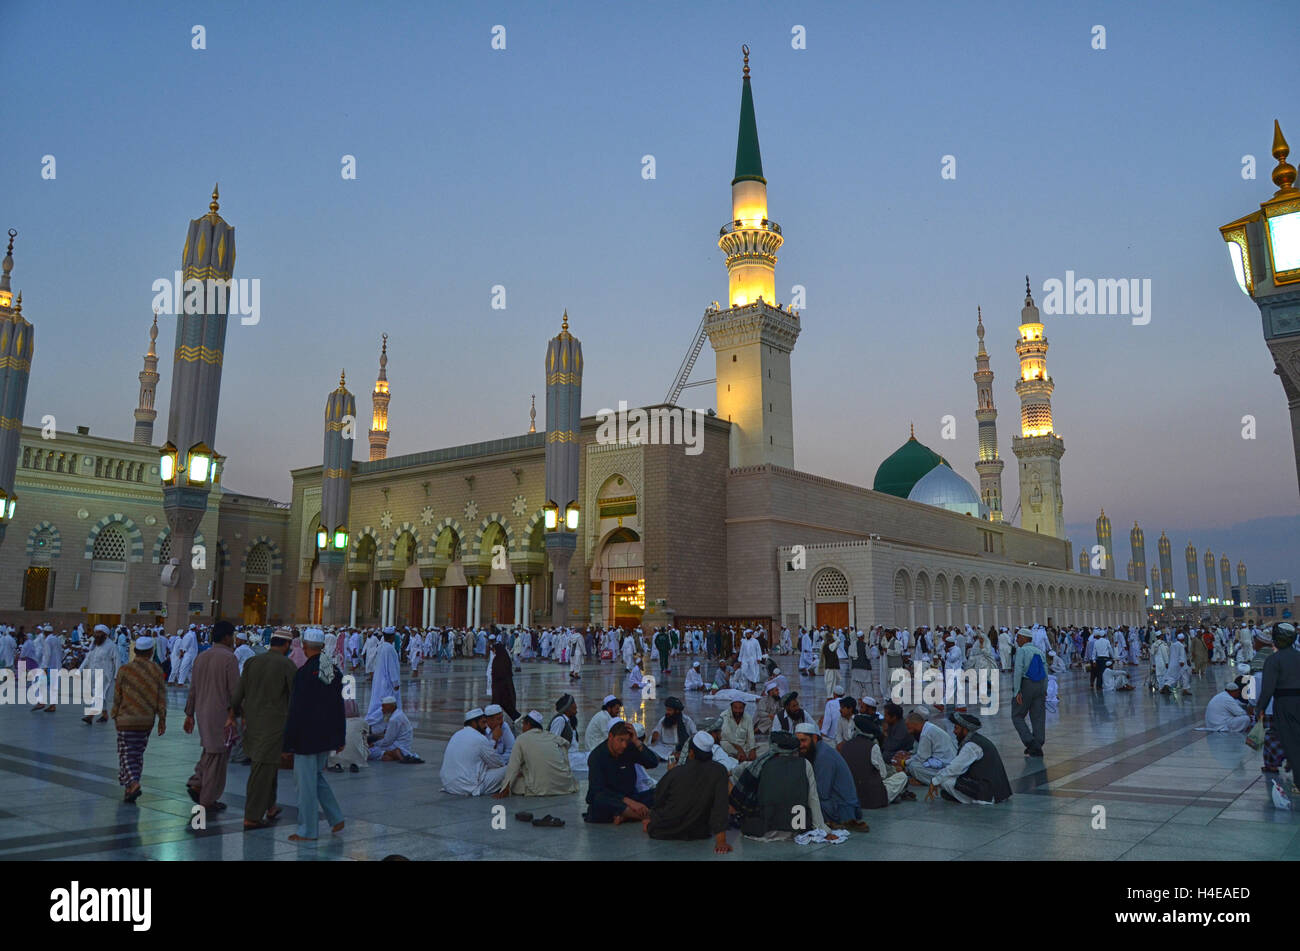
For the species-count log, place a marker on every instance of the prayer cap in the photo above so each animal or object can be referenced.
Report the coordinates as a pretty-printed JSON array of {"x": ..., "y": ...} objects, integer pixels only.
[
  {"x": 1025, "y": 632},
  {"x": 923, "y": 710},
  {"x": 775, "y": 671},
  {"x": 241, "y": 635},
  {"x": 838, "y": 691},
  {"x": 614, "y": 722},
  {"x": 474, "y": 714},
  {"x": 535, "y": 717},
  {"x": 1182, "y": 637},
  {"x": 702, "y": 742},
  {"x": 638, "y": 729},
  {"x": 389, "y": 630},
  {"x": 313, "y": 635},
  {"x": 282, "y": 634},
  {"x": 792, "y": 695},
  {"x": 608, "y": 700},
  {"x": 103, "y": 628},
  {"x": 784, "y": 741},
  {"x": 695, "y": 663},
  {"x": 967, "y": 720},
  {"x": 1232, "y": 685},
  {"x": 388, "y": 700},
  {"x": 806, "y": 728},
  {"x": 870, "y": 701},
  {"x": 144, "y": 643},
  {"x": 492, "y": 709},
  {"x": 1264, "y": 637},
  {"x": 770, "y": 686},
  {"x": 564, "y": 703},
  {"x": 672, "y": 703}
]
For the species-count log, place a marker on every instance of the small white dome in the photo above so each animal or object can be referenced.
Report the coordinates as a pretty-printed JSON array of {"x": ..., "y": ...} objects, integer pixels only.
[{"x": 943, "y": 488}]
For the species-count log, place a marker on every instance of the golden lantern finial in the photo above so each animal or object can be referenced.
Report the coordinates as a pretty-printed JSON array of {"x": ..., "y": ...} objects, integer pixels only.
[
  {"x": 18, "y": 303},
  {"x": 214, "y": 206},
  {"x": 912, "y": 427},
  {"x": 564, "y": 326},
  {"x": 745, "y": 49},
  {"x": 343, "y": 381},
  {"x": 1284, "y": 174}
]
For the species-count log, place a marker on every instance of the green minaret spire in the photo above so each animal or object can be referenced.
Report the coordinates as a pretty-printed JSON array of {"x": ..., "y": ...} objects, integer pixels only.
[{"x": 749, "y": 163}]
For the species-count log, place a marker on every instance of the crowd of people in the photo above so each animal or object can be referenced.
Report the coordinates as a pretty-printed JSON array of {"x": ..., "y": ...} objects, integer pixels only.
[{"x": 766, "y": 766}]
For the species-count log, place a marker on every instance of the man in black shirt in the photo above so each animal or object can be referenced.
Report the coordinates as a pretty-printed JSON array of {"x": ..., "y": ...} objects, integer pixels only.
[{"x": 611, "y": 777}]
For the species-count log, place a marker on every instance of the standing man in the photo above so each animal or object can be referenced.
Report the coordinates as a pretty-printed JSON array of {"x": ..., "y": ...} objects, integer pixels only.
[
  {"x": 315, "y": 729},
  {"x": 387, "y": 681},
  {"x": 262, "y": 699},
  {"x": 139, "y": 696},
  {"x": 1101, "y": 652},
  {"x": 52, "y": 662},
  {"x": 1029, "y": 681},
  {"x": 216, "y": 678},
  {"x": 664, "y": 645},
  {"x": 101, "y": 657},
  {"x": 189, "y": 655}
]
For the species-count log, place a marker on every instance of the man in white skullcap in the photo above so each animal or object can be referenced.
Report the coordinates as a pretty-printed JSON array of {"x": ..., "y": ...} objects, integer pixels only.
[
  {"x": 497, "y": 729},
  {"x": 387, "y": 681},
  {"x": 1179, "y": 667},
  {"x": 694, "y": 679},
  {"x": 539, "y": 762},
  {"x": 189, "y": 654},
  {"x": 935, "y": 749},
  {"x": 470, "y": 767},
  {"x": 598, "y": 726},
  {"x": 100, "y": 661},
  {"x": 1224, "y": 713},
  {"x": 395, "y": 744},
  {"x": 691, "y": 800},
  {"x": 242, "y": 651},
  {"x": 832, "y": 712}
]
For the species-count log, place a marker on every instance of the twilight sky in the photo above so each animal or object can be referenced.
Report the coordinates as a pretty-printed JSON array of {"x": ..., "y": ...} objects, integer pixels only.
[{"x": 523, "y": 167}]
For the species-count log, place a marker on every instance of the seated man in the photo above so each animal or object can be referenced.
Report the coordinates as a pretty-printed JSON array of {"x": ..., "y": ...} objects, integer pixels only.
[
  {"x": 935, "y": 749},
  {"x": 713, "y": 727},
  {"x": 896, "y": 738},
  {"x": 768, "y": 706},
  {"x": 539, "y": 762},
  {"x": 470, "y": 767},
  {"x": 738, "y": 734},
  {"x": 394, "y": 745},
  {"x": 1112, "y": 678},
  {"x": 598, "y": 725},
  {"x": 498, "y": 730},
  {"x": 976, "y": 773},
  {"x": 790, "y": 715},
  {"x": 832, "y": 712},
  {"x": 691, "y": 801},
  {"x": 670, "y": 734},
  {"x": 611, "y": 779},
  {"x": 835, "y": 789},
  {"x": 1225, "y": 714},
  {"x": 877, "y": 786},
  {"x": 780, "y": 802},
  {"x": 842, "y": 730},
  {"x": 694, "y": 679}
]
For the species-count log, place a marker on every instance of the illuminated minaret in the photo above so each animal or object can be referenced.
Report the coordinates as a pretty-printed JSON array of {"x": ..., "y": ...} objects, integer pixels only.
[
  {"x": 1156, "y": 599},
  {"x": 563, "y": 462},
  {"x": 379, "y": 400},
  {"x": 145, "y": 414},
  {"x": 1103, "y": 539},
  {"x": 989, "y": 466},
  {"x": 17, "y": 339},
  {"x": 753, "y": 336},
  {"x": 1137, "y": 543},
  {"x": 1132, "y": 571},
  {"x": 1241, "y": 576},
  {"x": 1193, "y": 574},
  {"x": 1166, "y": 568},
  {"x": 1037, "y": 448},
  {"x": 1211, "y": 594},
  {"x": 1225, "y": 576},
  {"x": 336, "y": 500},
  {"x": 1084, "y": 567}
]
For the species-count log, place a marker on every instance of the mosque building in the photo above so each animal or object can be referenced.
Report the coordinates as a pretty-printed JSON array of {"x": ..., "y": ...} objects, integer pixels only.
[{"x": 571, "y": 524}]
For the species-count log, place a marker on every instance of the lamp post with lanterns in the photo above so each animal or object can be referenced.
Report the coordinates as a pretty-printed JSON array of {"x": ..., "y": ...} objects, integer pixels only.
[
  {"x": 336, "y": 497},
  {"x": 563, "y": 423},
  {"x": 16, "y": 348},
  {"x": 187, "y": 464},
  {"x": 1264, "y": 247}
]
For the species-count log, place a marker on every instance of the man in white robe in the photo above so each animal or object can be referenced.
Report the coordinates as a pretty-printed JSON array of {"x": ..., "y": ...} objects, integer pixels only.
[
  {"x": 470, "y": 767},
  {"x": 832, "y": 712},
  {"x": 415, "y": 654},
  {"x": 694, "y": 679},
  {"x": 387, "y": 680},
  {"x": 395, "y": 743},
  {"x": 807, "y": 654},
  {"x": 598, "y": 726},
  {"x": 1179, "y": 667},
  {"x": 370, "y": 651},
  {"x": 8, "y": 649},
  {"x": 189, "y": 654},
  {"x": 52, "y": 663},
  {"x": 103, "y": 658},
  {"x": 629, "y": 652},
  {"x": 749, "y": 654},
  {"x": 577, "y": 653},
  {"x": 1004, "y": 649},
  {"x": 1225, "y": 713}
]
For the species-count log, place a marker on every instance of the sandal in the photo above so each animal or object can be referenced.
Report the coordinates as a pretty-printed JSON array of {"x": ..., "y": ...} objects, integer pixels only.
[
  {"x": 273, "y": 814},
  {"x": 259, "y": 824},
  {"x": 132, "y": 797},
  {"x": 524, "y": 816},
  {"x": 549, "y": 821}
]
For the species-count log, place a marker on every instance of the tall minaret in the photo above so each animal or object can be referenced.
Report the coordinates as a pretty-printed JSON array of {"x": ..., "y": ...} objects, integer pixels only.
[
  {"x": 1137, "y": 543},
  {"x": 752, "y": 338},
  {"x": 1038, "y": 448},
  {"x": 1193, "y": 574},
  {"x": 336, "y": 497},
  {"x": 145, "y": 414},
  {"x": 1156, "y": 597},
  {"x": 989, "y": 466},
  {"x": 1166, "y": 568},
  {"x": 1241, "y": 576},
  {"x": 1085, "y": 568},
  {"x": 17, "y": 344},
  {"x": 379, "y": 400},
  {"x": 1211, "y": 594},
  {"x": 563, "y": 462},
  {"x": 1103, "y": 539},
  {"x": 1225, "y": 575}
]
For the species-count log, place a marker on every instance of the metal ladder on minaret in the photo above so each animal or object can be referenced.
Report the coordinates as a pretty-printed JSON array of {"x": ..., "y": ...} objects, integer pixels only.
[{"x": 687, "y": 365}]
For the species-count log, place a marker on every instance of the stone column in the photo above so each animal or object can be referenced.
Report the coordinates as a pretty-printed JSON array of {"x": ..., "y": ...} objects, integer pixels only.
[{"x": 352, "y": 616}]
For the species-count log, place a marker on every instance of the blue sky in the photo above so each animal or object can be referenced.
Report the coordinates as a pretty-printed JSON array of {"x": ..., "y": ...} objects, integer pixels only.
[{"x": 522, "y": 167}]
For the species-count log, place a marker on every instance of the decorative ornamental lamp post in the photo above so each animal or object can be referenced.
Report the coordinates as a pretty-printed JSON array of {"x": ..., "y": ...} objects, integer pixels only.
[
  {"x": 187, "y": 462},
  {"x": 563, "y": 423},
  {"x": 1264, "y": 247},
  {"x": 16, "y": 348},
  {"x": 336, "y": 496}
]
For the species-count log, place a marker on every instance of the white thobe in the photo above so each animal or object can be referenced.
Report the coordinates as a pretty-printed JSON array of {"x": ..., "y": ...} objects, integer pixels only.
[
  {"x": 386, "y": 683},
  {"x": 1225, "y": 714},
  {"x": 470, "y": 767},
  {"x": 397, "y": 736}
]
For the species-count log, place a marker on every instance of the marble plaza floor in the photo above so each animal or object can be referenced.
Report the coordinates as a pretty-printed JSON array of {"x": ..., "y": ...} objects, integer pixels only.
[{"x": 1169, "y": 792}]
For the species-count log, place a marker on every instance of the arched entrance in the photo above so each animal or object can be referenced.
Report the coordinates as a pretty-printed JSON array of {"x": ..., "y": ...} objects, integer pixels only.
[
  {"x": 830, "y": 590},
  {"x": 257, "y": 585},
  {"x": 618, "y": 580}
]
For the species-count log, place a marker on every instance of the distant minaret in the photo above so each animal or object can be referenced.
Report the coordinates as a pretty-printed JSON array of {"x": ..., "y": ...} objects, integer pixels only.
[
  {"x": 1241, "y": 576},
  {"x": 1225, "y": 575},
  {"x": 1166, "y": 568},
  {"x": 532, "y": 413},
  {"x": 1037, "y": 448},
  {"x": 379, "y": 399},
  {"x": 1211, "y": 594},
  {"x": 563, "y": 462},
  {"x": 336, "y": 499},
  {"x": 1103, "y": 539},
  {"x": 1193, "y": 573},
  {"x": 753, "y": 335},
  {"x": 16, "y": 349},
  {"x": 989, "y": 466},
  {"x": 1156, "y": 597},
  {"x": 1132, "y": 571},
  {"x": 145, "y": 414},
  {"x": 1137, "y": 543},
  {"x": 1084, "y": 567}
]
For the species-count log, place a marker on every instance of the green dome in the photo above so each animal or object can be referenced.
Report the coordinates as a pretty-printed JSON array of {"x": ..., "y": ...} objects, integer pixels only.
[{"x": 905, "y": 467}]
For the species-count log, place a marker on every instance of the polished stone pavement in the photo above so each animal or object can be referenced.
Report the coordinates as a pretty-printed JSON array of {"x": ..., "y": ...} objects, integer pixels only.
[{"x": 1169, "y": 792}]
